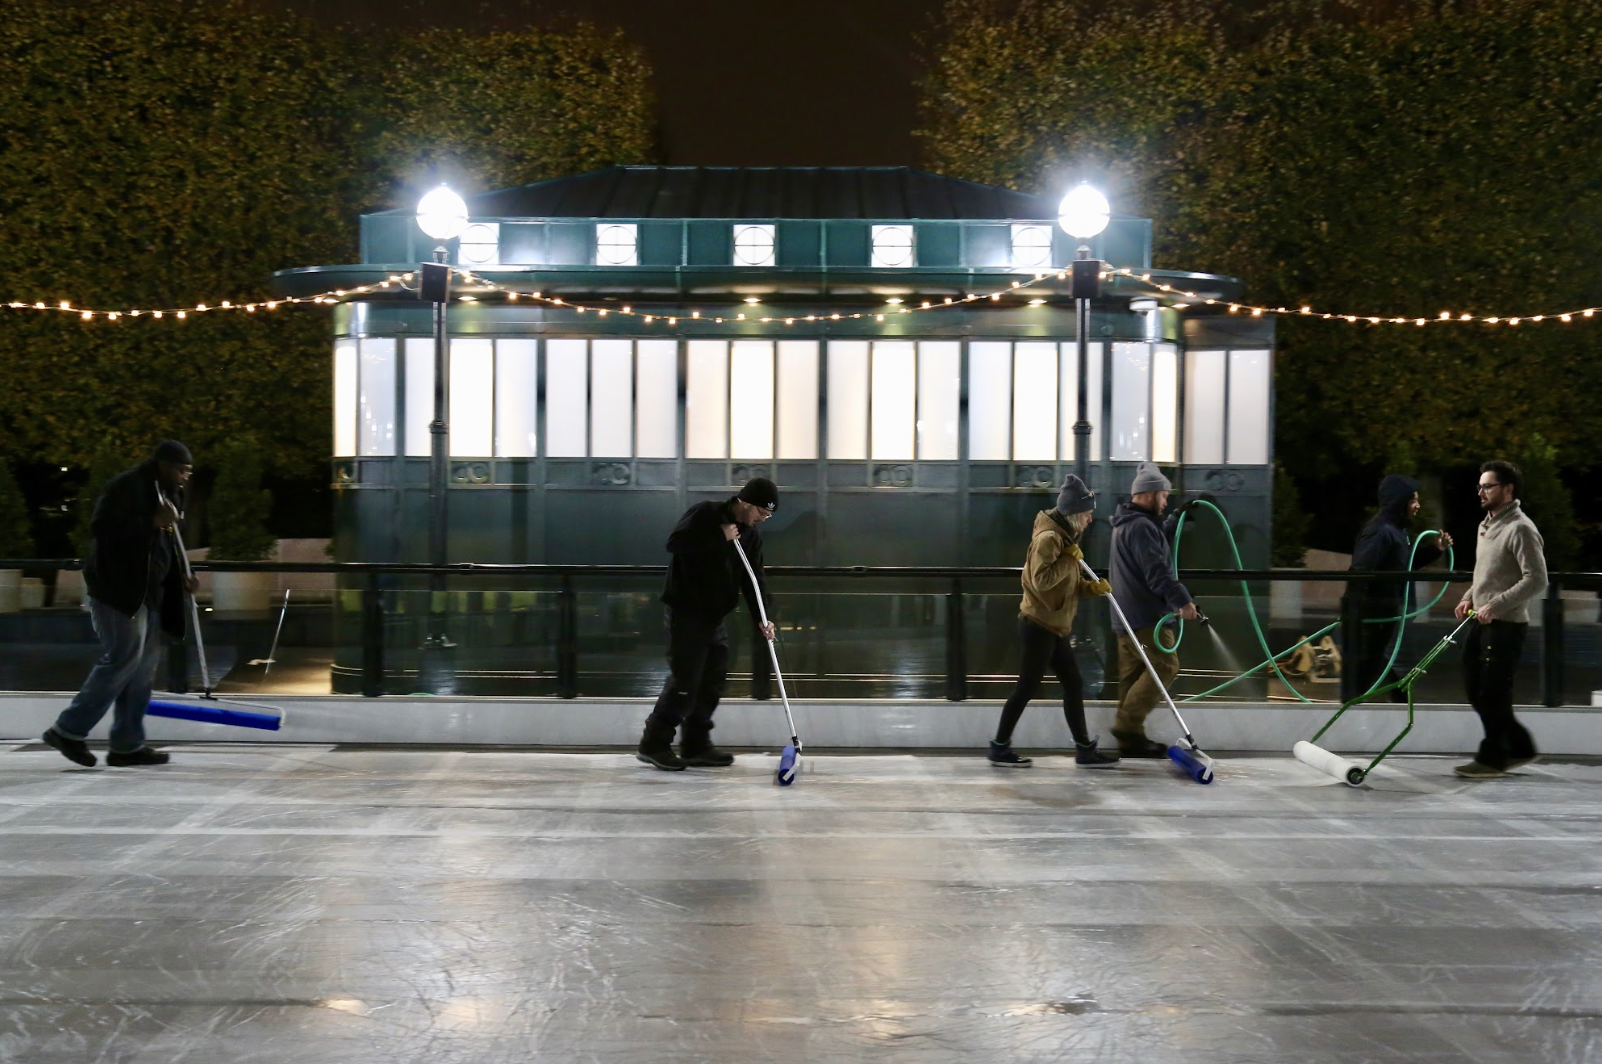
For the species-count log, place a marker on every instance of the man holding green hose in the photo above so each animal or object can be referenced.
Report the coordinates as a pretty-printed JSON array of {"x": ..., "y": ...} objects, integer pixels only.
[{"x": 1144, "y": 584}]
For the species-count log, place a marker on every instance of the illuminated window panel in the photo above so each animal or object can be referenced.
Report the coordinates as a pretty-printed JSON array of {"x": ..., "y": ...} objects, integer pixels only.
[
  {"x": 1164, "y": 403},
  {"x": 1069, "y": 375},
  {"x": 472, "y": 398},
  {"x": 656, "y": 392},
  {"x": 611, "y": 398},
  {"x": 939, "y": 399},
  {"x": 345, "y": 412},
  {"x": 419, "y": 396},
  {"x": 989, "y": 401},
  {"x": 894, "y": 247},
  {"x": 375, "y": 429},
  {"x": 755, "y": 245},
  {"x": 706, "y": 402},
  {"x": 1248, "y": 407},
  {"x": 751, "y": 399},
  {"x": 1034, "y": 402},
  {"x": 1131, "y": 394},
  {"x": 798, "y": 398},
  {"x": 1205, "y": 373},
  {"x": 617, "y": 244},
  {"x": 1031, "y": 246},
  {"x": 848, "y": 399},
  {"x": 516, "y": 396},
  {"x": 567, "y": 398},
  {"x": 479, "y": 245},
  {"x": 894, "y": 398}
]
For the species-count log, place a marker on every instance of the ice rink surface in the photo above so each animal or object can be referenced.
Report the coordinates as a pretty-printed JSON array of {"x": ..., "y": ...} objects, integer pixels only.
[{"x": 315, "y": 904}]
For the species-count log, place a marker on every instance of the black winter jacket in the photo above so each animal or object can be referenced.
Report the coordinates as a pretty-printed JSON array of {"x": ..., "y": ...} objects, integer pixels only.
[
  {"x": 705, "y": 578},
  {"x": 1382, "y": 545},
  {"x": 1142, "y": 576},
  {"x": 117, "y": 569}
]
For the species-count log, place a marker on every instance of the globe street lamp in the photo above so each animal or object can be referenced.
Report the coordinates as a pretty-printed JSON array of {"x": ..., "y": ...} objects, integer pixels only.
[
  {"x": 442, "y": 215},
  {"x": 1083, "y": 214}
]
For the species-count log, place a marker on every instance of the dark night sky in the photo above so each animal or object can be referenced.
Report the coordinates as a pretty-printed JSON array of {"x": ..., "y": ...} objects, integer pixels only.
[{"x": 738, "y": 82}]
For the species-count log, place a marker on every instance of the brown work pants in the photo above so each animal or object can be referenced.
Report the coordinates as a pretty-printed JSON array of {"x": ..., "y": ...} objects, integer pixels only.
[{"x": 1138, "y": 694}]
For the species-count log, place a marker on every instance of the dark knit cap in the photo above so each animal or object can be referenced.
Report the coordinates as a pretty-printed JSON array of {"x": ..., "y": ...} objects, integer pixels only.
[
  {"x": 174, "y": 452},
  {"x": 1075, "y": 497},
  {"x": 762, "y": 492}
]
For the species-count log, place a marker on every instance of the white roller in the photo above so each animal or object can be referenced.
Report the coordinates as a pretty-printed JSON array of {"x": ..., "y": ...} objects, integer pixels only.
[{"x": 1328, "y": 763}]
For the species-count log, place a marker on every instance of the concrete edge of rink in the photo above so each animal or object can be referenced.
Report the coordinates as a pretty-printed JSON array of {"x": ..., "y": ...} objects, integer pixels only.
[{"x": 825, "y": 724}]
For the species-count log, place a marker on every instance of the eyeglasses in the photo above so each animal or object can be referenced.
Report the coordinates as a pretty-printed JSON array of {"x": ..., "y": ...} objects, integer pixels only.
[{"x": 1483, "y": 488}]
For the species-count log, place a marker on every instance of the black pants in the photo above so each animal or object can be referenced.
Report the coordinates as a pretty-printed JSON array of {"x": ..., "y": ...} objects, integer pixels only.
[
  {"x": 1490, "y": 655},
  {"x": 698, "y": 660},
  {"x": 1374, "y": 644},
  {"x": 1042, "y": 648}
]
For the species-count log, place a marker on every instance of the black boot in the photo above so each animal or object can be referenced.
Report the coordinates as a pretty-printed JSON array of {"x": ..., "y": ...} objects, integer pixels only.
[
  {"x": 704, "y": 755},
  {"x": 1135, "y": 744},
  {"x": 1087, "y": 756},
  {"x": 75, "y": 750},
  {"x": 1002, "y": 754},
  {"x": 656, "y": 748},
  {"x": 133, "y": 758}
]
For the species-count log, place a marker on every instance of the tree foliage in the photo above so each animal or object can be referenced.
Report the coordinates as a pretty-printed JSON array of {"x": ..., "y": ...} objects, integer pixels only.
[
  {"x": 16, "y": 532},
  {"x": 1409, "y": 157},
  {"x": 236, "y": 512},
  {"x": 1546, "y": 499},
  {"x": 164, "y": 153}
]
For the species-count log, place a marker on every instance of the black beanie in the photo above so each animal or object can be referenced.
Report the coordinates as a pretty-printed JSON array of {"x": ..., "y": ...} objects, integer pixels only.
[
  {"x": 761, "y": 492},
  {"x": 174, "y": 452}
]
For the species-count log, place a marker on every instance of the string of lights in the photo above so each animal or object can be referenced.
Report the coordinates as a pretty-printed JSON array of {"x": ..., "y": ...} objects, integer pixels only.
[
  {"x": 894, "y": 306},
  {"x": 407, "y": 282},
  {"x": 1445, "y": 317}
]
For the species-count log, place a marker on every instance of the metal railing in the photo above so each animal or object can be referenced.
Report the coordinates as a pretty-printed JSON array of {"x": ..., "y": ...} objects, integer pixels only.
[{"x": 373, "y": 581}]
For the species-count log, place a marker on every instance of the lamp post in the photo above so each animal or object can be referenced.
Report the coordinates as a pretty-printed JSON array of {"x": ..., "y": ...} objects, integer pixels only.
[
  {"x": 442, "y": 215},
  {"x": 1083, "y": 213}
]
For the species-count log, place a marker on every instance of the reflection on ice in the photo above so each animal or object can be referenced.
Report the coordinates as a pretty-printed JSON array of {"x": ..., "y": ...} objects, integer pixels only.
[{"x": 323, "y": 904}]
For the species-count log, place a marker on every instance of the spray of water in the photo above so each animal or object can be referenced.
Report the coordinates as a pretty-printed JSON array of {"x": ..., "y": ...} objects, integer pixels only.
[{"x": 1231, "y": 662}]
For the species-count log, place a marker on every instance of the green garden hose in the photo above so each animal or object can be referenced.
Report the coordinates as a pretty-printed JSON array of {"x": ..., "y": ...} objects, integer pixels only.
[{"x": 1272, "y": 661}]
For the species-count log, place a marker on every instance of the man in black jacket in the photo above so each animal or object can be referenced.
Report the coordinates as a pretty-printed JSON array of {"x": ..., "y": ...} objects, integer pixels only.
[
  {"x": 1382, "y": 546},
  {"x": 705, "y": 580},
  {"x": 136, "y": 587}
]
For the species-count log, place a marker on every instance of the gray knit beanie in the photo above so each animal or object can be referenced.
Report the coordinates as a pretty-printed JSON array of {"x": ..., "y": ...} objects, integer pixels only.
[
  {"x": 1149, "y": 478},
  {"x": 1075, "y": 497}
]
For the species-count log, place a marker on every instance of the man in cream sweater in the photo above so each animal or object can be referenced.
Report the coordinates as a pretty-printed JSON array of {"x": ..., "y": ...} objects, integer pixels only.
[{"x": 1509, "y": 574}]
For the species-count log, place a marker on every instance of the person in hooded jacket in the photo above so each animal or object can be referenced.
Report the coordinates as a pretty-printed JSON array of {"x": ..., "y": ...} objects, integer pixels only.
[
  {"x": 1053, "y": 584},
  {"x": 136, "y": 590},
  {"x": 705, "y": 581},
  {"x": 1146, "y": 590},
  {"x": 1382, "y": 546}
]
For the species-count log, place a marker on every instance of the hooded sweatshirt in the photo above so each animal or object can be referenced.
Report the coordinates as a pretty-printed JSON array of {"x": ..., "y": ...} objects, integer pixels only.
[
  {"x": 1143, "y": 580},
  {"x": 1382, "y": 545},
  {"x": 1053, "y": 582}
]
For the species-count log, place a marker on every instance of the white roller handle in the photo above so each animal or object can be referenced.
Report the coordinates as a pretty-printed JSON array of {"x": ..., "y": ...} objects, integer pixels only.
[
  {"x": 1091, "y": 573},
  {"x": 756, "y": 593},
  {"x": 1330, "y": 764},
  {"x": 194, "y": 608}
]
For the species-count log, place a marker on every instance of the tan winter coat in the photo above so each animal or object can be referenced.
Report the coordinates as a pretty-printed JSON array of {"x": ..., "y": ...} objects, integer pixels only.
[{"x": 1053, "y": 582}]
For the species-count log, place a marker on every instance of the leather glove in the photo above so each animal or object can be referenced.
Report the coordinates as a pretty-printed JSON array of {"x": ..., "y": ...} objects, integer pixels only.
[
  {"x": 1097, "y": 587},
  {"x": 1073, "y": 551}
]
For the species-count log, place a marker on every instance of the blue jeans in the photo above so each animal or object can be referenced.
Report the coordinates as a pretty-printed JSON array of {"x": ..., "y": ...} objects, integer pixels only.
[{"x": 122, "y": 677}]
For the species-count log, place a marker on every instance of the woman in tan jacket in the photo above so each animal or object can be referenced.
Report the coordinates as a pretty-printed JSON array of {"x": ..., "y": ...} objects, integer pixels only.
[{"x": 1053, "y": 584}]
